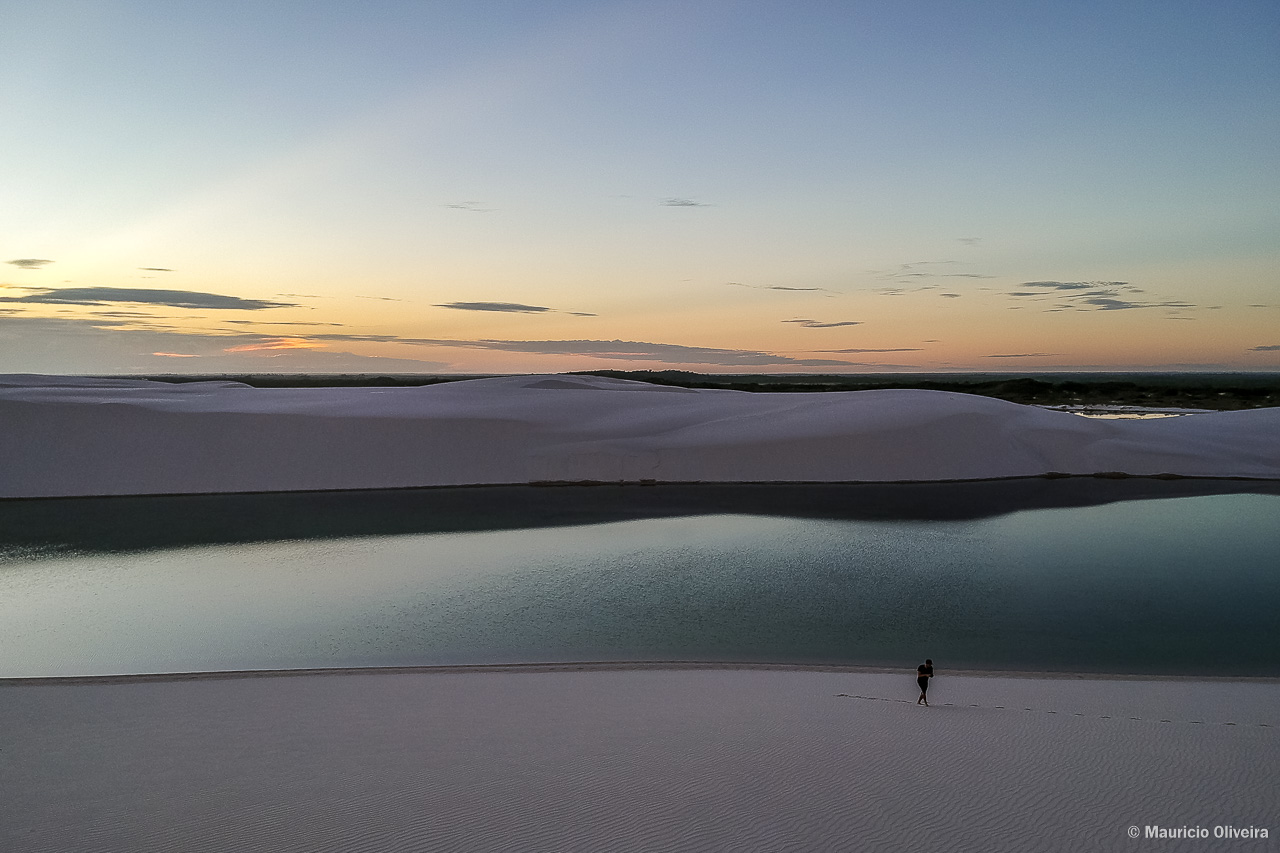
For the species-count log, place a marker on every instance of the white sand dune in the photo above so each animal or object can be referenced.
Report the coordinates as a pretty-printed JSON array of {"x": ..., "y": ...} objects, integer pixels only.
[
  {"x": 68, "y": 436},
  {"x": 701, "y": 760}
]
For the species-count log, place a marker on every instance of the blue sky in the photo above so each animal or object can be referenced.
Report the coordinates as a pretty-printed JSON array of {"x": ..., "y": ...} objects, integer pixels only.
[{"x": 474, "y": 187}]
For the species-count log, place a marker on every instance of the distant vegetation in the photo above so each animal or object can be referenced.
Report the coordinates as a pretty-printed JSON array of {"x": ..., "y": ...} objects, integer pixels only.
[{"x": 1158, "y": 390}]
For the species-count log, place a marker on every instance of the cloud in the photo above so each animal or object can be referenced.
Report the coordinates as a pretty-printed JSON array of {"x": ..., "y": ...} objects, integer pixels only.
[
  {"x": 504, "y": 307},
  {"x": 29, "y": 263},
  {"x": 815, "y": 324},
  {"x": 1076, "y": 285},
  {"x": 276, "y": 344},
  {"x": 613, "y": 350},
  {"x": 858, "y": 350},
  {"x": 780, "y": 287},
  {"x": 900, "y": 291},
  {"x": 263, "y": 322},
  {"x": 917, "y": 270},
  {"x": 1110, "y": 303},
  {"x": 1268, "y": 348},
  {"x": 76, "y": 345},
  {"x": 912, "y": 270},
  {"x": 682, "y": 202},
  {"x": 1022, "y": 355},
  {"x": 970, "y": 241},
  {"x": 1092, "y": 296},
  {"x": 141, "y": 296},
  {"x": 313, "y": 361},
  {"x": 950, "y": 295},
  {"x": 155, "y": 269},
  {"x": 473, "y": 206}
]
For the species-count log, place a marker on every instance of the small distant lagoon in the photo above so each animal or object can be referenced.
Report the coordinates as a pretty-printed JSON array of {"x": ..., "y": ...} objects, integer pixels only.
[{"x": 1184, "y": 584}]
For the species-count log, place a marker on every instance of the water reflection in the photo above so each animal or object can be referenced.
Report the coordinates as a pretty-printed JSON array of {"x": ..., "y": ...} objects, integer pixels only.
[
  {"x": 1178, "y": 585},
  {"x": 134, "y": 523}
]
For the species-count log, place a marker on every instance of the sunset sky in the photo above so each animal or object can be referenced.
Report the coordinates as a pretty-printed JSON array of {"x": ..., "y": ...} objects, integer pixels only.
[{"x": 736, "y": 187}]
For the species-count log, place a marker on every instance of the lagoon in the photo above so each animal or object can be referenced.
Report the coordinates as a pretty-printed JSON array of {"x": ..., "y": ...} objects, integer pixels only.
[{"x": 1134, "y": 583}]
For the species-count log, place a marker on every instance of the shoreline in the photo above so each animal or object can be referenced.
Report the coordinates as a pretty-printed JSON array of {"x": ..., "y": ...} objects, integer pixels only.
[
  {"x": 145, "y": 522},
  {"x": 614, "y": 666},
  {"x": 1272, "y": 482}
]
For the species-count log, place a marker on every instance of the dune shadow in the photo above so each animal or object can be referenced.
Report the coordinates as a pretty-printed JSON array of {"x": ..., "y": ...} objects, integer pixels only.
[{"x": 129, "y": 523}]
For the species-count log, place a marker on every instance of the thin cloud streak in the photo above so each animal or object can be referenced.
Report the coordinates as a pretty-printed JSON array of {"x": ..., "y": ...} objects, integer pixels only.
[
  {"x": 780, "y": 287},
  {"x": 817, "y": 324},
  {"x": 1078, "y": 285},
  {"x": 273, "y": 323},
  {"x": 510, "y": 308},
  {"x": 503, "y": 307}
]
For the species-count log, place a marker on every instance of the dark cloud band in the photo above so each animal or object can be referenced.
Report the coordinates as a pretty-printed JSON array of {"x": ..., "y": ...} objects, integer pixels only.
[
  {"x": 613, "y": 350},
  {"x": 503, "y": 307},
  {"x": 141, "y": 296},
  {"x": 817, "y": 324},
  {"x": 1092, "y": 296}
]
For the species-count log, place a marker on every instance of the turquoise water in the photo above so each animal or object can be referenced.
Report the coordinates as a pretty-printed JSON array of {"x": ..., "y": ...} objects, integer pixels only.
[{"x": 1186, "y": 585}]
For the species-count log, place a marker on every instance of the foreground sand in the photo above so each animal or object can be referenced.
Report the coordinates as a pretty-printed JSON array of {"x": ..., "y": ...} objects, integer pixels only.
[{"x": 661, "y": 759}]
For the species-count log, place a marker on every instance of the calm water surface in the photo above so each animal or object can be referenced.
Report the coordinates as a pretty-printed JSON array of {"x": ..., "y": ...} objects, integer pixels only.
[{"x": 1187, "y": 585}]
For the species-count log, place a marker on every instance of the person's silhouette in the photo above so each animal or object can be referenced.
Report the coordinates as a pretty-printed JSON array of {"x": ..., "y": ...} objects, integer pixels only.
[{"x": 923, "y": 673}]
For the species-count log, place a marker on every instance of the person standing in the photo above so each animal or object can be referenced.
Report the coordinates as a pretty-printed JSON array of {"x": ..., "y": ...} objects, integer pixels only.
[{"x": 923, "y": 673}]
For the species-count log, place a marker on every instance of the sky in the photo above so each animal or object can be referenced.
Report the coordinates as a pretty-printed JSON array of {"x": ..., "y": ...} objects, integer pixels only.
[{"x": 807, "y": 186}]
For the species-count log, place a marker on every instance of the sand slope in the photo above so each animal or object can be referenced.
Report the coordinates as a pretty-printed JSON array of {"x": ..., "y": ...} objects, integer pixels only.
[
  {"x": 69, "y": 436},
  {"x": 677, "y": 761}
]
